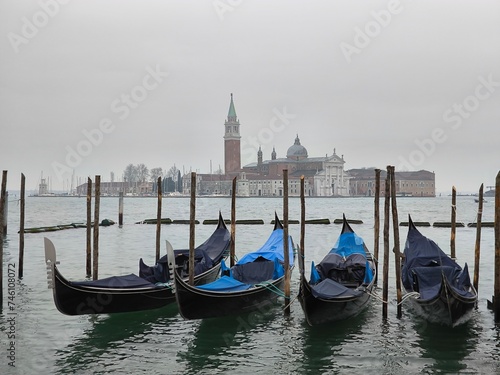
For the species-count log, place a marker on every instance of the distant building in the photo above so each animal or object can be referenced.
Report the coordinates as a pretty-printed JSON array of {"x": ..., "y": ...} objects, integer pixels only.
[
  {"x": 414, "y": 183},
  {"x": 323, "y": 176}
]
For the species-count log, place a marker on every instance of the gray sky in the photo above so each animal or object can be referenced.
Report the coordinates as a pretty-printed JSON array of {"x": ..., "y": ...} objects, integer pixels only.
[{"x": 96, "y": 85}]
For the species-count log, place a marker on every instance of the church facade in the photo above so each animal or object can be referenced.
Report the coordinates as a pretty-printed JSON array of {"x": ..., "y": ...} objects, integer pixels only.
[{"x": 323, "y": 176}]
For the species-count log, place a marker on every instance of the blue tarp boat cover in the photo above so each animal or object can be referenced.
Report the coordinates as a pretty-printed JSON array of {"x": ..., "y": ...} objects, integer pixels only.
[
  {"x": 272, "y": 249},
  {"x": 346, "y": 263},
  {"x": 126, "y": 281},
  {"x": 225, "y": 284},
  {"x": 425, "y": 264},
  {"x": 264, "y": 264}
]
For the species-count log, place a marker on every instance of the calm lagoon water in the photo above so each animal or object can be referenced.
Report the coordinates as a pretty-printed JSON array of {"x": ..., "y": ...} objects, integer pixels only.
[{"x": 264, "y": 342}]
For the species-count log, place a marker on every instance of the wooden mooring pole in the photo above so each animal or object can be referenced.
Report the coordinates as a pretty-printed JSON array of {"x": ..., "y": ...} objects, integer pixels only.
[
  {"x": 376, "y": 227},
  {"x": 5, "y": 212},
  {"x": 95, "y": 252},
  {"x": 192, "y": 218},
  {"x": 2, "y": 233},
  {"x": 120, "y": 209},
  {"x": 21, "y": 226},
  {"x": 232, "y": 248},
  {"x": 301, "y": 254},
  {"x": 496, "y": 297},
  {"x": 158, "y": 220},
  {"x": 453, "y": 222},
  {"x": 397, "y": 251},
  {"x": 286, "y": 255},
  {"x": 89, "y": 229},
  {"x": 477, "y": 248},
  {"x": 385, "y": 282}
]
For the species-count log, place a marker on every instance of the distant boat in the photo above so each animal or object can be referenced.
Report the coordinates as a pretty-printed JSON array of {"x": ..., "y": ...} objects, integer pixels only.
[{"x": 477, "y": 200}]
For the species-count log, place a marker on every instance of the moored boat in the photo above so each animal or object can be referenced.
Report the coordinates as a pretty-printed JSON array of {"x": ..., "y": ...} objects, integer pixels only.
[
  {"x": 439, "y": 288},
  {"x": 340, "y": 285},
  {"x": 151, "y": 290},
  {"x": 253, "y": 283}
]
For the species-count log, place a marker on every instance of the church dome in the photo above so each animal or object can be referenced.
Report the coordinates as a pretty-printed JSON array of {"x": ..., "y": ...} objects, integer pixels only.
[{"x": 296, "y": 151}]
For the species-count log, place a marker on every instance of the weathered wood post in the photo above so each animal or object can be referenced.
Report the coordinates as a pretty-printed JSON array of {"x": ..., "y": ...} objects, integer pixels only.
[
  {"x": 95, "y": 253},
  {"x": 21, "y": 226},
  {"x": 477, "y": 248},
  {"x": 286, "y": 255},
  {"x": 301, "y": 254},
  {"x": 5, "y": 212},
  {"x": 120, "y": 209},
  {"x": 158, "y": 220},
  {"x": 397, "y": 251},
  {"x": 2, "y": 205},
  {"x": 89, "y": 228},
  {"x": 453, "y": 221},
  {"x": 376, "y": 227},
  {"x": 496, "y": 297},
  {"x": 232, "y": 248},
  {"x": 385, "y": 283},
  {"x": 192, "y": 218}
]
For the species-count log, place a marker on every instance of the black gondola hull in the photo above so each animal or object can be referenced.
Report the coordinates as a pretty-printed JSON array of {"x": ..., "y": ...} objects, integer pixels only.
[
  {"x": 448, "y": 307},
  {"x": 73, "y": 299},
  {"x": 195, "y": 303},
  {"x": 320, "y": 311}
]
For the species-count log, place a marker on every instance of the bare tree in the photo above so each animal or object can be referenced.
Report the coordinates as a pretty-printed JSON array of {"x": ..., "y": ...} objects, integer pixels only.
[
  {"x": 130, "y": 173},
  {"x": 142, "y": 172},
  {"x": 172, "y": 172},
  {"x": 155, "y": 173}
]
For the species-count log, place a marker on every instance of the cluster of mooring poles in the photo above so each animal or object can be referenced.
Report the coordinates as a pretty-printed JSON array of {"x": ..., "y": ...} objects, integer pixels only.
[{"x": 92, "y": 243}]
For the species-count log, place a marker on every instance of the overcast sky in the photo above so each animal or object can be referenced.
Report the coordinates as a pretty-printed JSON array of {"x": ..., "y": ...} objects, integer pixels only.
[{"x": 95, "y": 85}]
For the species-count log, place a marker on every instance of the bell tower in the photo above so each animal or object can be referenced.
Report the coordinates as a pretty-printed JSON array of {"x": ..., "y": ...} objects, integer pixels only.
[{"x": 232, "y": 152}]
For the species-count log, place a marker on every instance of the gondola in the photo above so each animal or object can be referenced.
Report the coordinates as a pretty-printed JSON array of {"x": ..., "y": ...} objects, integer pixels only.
[
  {"x": 340, "y": 285},
  {"x": 439, "y": 288},
  {"x": 253, "y": 283},
  {"x": 151, "y": 290}
]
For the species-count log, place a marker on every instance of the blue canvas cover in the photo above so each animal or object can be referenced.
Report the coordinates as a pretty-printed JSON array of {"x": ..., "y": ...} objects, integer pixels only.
[
  {"x": 272, "y": 249},
  {"x": 225, "y": 284},
  {"x": 256, "y": 267},
  {"x": 126, "y": 281},
  {"x": 425, "y": 265},
  {"x": 349, "y": 255}
]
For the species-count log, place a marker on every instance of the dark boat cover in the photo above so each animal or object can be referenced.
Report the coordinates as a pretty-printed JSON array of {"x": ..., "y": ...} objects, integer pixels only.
[
  {"x": 345, "y": 265},
  {"x": 119, "y": 282},
  {"x": 425, "y": 265},
  {"x": 328, "y": 288},
  {"x": 159, "y": 273}
]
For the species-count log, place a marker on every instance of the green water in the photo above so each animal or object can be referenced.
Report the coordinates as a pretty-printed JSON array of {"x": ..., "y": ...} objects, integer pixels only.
[{"x": 262, "y": 342}]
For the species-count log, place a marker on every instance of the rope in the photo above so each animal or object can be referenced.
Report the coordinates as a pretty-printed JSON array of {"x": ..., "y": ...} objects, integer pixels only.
[
  {"x": 375, "y": 295},
  {"x": 272, "y": 288},
  {"x": 408, "y": 295},
  {"x": 292, "y": 301}
]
